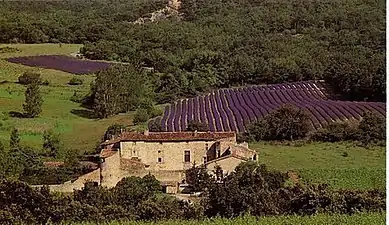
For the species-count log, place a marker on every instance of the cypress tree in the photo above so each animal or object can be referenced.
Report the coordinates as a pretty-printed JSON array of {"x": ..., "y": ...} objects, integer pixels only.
[
  {"x": 14, "y": 142},
  {"x": 33, "y": 103}
]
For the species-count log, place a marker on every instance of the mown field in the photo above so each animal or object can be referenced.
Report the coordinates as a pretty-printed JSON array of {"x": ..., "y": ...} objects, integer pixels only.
[
  {"x": 78, "y": 130},
  {"x": 342, "y": 165},
  {"x": 321, "y": 219}
]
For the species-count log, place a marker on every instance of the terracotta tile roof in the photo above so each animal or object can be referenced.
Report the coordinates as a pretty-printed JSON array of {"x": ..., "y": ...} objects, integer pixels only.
[{"x": 176, "y": 136}]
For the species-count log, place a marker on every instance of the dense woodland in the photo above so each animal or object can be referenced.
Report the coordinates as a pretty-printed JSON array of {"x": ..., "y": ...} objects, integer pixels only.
[{"x": 221, "y": 43}]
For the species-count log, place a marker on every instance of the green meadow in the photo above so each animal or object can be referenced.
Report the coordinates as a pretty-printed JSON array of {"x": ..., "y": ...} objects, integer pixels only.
[
  {"x": 320, "y": 219},
  {"x": 78, "y": 130},
  {"x": 342, "y": 165}
]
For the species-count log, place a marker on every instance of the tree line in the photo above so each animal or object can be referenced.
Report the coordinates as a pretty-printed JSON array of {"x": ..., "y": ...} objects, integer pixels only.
[
  {"x": 251, "y": 189},
  {"x": 223, "y": 43},
  {"x": 292, "y": 123}
]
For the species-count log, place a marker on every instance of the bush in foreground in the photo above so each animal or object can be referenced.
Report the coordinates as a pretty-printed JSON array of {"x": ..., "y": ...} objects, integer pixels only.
[{"x": 251, "y": 189}]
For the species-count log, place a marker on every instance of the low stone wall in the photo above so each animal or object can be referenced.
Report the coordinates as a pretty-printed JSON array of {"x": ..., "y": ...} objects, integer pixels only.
[{"x": 69, "y": 186}]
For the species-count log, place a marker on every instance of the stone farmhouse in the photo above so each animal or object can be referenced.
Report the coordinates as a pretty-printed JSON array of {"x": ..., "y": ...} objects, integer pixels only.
[{"x": 167, "y": 155}]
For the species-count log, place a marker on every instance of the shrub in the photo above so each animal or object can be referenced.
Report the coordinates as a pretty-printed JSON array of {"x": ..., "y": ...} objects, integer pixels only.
[
  {"x": 336, "y": 131},
  {"x": 7, "y": 49},
  {"x": 76, "y": 81},
  {"x": 141, "y": 116},
  {"x": 30, "y": 77},
  {"x": 113, "y": 130},
  {"x": 155, "y": 125},
  {"x": 197, "y": 125},
  {"x": 52, "y": 143},
  {"x": 372, "y": 127},
  {"x": 33, "y": 101},
  {"x": 77, "y": 97},
  {"x": 286, "y": 123}
]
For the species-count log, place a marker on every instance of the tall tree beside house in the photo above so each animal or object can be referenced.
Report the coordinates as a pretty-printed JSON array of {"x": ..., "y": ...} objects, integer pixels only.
[
  {"x": 14, "y": 141},
  {"x": 119, "y": 89},
  {"x": 33, "y": 103},
  {"x": 52, "y": 143}
]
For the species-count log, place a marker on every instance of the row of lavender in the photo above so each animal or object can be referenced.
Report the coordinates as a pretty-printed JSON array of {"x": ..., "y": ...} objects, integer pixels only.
[
  {"x": 232, "y": 109},
  {"x": 61, "y": 62}
]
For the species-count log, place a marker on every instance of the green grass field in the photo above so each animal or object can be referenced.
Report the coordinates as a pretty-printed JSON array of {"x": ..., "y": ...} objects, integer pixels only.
[
  {"x": 59, "y": 113},
  {"x": 320, "y": 219},
  {"x": 342, "y": 165}
]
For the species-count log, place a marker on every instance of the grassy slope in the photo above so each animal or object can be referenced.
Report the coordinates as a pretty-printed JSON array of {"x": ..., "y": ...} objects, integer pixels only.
[
  {"x": 321, "y": 219},
  {"x": 77, "y": 132},
  {"x": 326, "y": 162}
]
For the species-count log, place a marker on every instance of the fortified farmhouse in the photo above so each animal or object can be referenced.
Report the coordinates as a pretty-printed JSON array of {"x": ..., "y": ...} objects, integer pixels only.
[{"x": 167, "y": 155}]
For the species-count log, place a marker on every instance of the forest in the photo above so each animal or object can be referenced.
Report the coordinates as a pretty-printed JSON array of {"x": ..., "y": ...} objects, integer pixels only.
[{"x": 214, "y": 44}]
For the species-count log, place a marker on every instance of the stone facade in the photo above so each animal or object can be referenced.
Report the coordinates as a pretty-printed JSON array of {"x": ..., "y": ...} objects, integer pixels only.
[
  {"x": 165, "y": 155},
  {"x": 173, "y": 155}
]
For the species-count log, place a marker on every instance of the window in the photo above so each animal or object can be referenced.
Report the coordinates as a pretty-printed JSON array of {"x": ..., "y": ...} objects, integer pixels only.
[
  {"x": 159, "y": 151},
  {"x": 187, "y": 156},
  {"x": 159, "y": 160},
  {"x": 206, "y": 147},
  {"x": 160, "y": 142},
  {"x": 255, "y": 157}
]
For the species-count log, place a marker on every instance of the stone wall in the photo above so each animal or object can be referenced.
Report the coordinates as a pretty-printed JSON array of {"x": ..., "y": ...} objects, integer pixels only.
[
  {"x": 111, "y": 171},
  {"x": 227, "y": 164},
  {"x": 69, "y": 186}
]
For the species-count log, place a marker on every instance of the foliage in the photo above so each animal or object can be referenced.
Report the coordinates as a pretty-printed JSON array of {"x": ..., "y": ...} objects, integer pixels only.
[
  {"x": 118, "y": 89},
  {"x": 221, "y": 44},
  {"x": 30, "y": 77},
  {"x": 113, "y": 130},
  {"x": 371, "y": 129},
  {"x": 76, "y": 81},
  {"x": 197, "y": 125},
  {"x": 33, "y": 101},
  {"x": 376, "y": 218},
  {"x": 141, "y": 116},
  {"x": 155, "y": 125},
  {"x": 138, "y": 198},
  {"x": 337, "y": 131},
  {"x": 286, "y": 123},
  {"x": 198, "y": 178},
  {"x": 14, "y": 141},
  {"x": 52, "y": 143}
]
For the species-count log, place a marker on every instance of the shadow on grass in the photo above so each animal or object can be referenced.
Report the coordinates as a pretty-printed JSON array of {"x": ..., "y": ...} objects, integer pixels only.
[
  {"x": 85, "y": 113},
  {"x": 16, "y": 114}
]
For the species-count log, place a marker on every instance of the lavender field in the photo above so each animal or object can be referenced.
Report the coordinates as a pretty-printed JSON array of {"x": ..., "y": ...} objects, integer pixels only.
[
  {"x": 232, "y": 109},
  {"x": 61, "y": 62}
]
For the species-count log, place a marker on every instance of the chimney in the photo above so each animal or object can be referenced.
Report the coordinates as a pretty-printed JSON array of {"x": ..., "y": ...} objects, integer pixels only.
[{"x": 146, "y": 132}]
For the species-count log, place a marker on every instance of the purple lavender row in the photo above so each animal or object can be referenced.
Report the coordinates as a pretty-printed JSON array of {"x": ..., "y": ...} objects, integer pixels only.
[
  {"x": 190, "y": 109},
  {"x": 235, "y": 111},
  {"x": 184, "y": 113},
  {"x": 223, "y": 114},
  {"x": 209, "y": 114},
  {"x": 215, "y": 113},
  {"x": 176, "y": 123},
  {"x": 171, "y": 117},
  {"x": 165, "y": 118},
  {"x": 230, "y": 116},
  {"x": 203, "y": 118}
]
